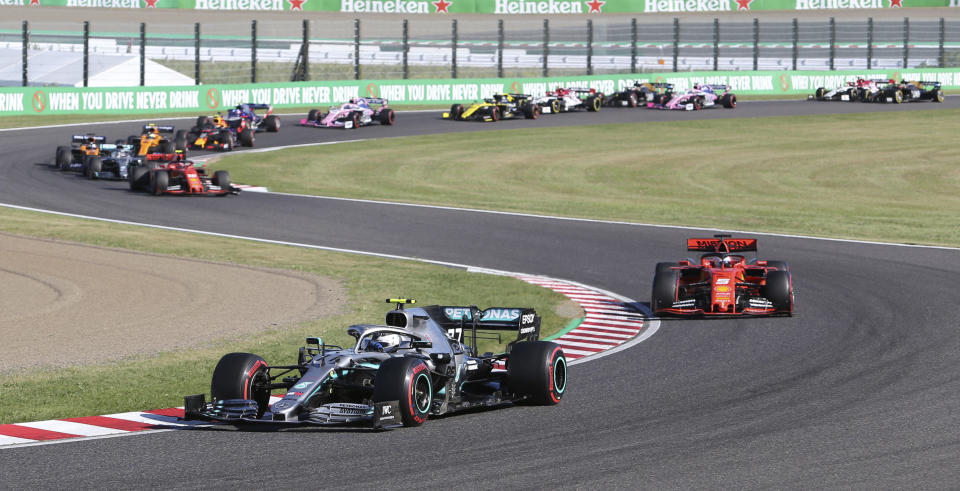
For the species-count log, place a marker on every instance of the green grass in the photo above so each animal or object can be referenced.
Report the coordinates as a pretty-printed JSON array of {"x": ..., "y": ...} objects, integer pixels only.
[
  {"x": 887, "y": 177},
  {"x": 162, "y": 380}
]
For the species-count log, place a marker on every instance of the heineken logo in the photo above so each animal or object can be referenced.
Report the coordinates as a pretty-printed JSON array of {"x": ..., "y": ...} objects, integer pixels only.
[
  {"x": 843, "y": 4},
  {"x": 239, "y": 5},
  {"x": 386, "y": 6},
  {"x": 688, "y": 5},
  {"x": 106, "y": 4},
  {"x": 544, "y": 7}
]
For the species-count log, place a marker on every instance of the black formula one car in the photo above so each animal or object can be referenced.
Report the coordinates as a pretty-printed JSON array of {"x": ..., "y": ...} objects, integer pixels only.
[
  {"x": 415, "y": 365},
  {"x": 640, "y": 94}
]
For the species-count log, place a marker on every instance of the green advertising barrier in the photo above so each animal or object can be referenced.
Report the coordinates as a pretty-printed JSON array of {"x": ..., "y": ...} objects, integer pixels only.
[
  {"x": 499, "y": 7},
  {"x": 203, "y": 99}
]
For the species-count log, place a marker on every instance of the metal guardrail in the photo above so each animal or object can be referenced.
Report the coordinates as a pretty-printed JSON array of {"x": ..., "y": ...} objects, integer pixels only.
[{"x": 283, "y": 50}]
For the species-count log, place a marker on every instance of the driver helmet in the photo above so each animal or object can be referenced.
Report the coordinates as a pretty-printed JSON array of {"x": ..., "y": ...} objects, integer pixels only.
[
  {"x": 708, "y": 261},
  {"x": 218, "y": 120}
]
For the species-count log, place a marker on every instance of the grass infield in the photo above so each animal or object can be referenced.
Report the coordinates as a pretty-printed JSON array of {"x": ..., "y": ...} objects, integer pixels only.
[{"x": 884, "y": 177}]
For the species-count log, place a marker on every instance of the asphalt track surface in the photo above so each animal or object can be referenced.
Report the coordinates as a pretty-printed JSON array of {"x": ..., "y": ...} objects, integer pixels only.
[{"x": 859, "y": 390}]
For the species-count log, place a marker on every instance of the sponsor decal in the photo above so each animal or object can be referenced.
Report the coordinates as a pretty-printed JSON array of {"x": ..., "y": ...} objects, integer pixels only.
[
  {"x": 688, "y": 5},
  {"x": 527, "y": 330},
  {"x": 838, "y": 4},
  {"x": 213, "y": 98},
  {"x": 385, "y": 6},
  {"x": 500, "y": 314},
  {"x": 297, "y": 4},
  {"x": 441, "y": 6},
  {"x": 302, "y": 385},
  {"x": 106, "y": 4},
  {"x": 596, "y": 6},
  {"x": 743, "y": 4},
  {"x": 723, "y": 281},
  {"x": 295, "y": 394},
  {"x": 40, "y": 101},
  {"x": 151, "y": 4},
  {"x": 896, "y": 4},
  {"x": 528, "y": 318},
  {"x": 723, "y": 289},
  {"x": 386, "y": 411},
  {"x": 541, "y": 7},
  {"x": 239, "y": 5}
]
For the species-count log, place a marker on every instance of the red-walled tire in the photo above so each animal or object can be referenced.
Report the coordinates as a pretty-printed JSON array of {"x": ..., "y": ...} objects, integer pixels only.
[
  {"x": 406, "y": 380},
  {"x": 537, "y": 371},
  {"x": 241, "y": 376}
]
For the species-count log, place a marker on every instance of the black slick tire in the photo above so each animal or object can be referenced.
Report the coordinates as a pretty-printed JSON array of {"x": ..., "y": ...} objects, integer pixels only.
[
  {"x": 160, "y": 182},
  {"x": 456, "y": 111},
  {"x": 168, "y": 147},
  {"x": 818, "y": 95},
  {"x": 387, "y": 116},
  {"x": 180, "y": 140},
  {"x": 138, "y": 177},
  {"x": 313, "y": 115},
  {"x": 92, "y": 167},
  {"x": 246, "y": 137},
  {"x": 593, "y": 104},
  {"x": 537, "y": 370},
  {"x": 405, "y": 379},
  {"x": 64, "y": 156},
  {"x": 241, "y": 376},
  {"x": 203, "y": 121},
  {"x": 778, "y": 290},
  {"x": 664, "y": 289},
  {"x": 272, "y": 123},
  {"x": 222, "y": 178}
]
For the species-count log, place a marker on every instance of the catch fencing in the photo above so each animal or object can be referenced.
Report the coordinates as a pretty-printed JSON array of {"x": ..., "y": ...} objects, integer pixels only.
[{"x": 78, "y": 54}]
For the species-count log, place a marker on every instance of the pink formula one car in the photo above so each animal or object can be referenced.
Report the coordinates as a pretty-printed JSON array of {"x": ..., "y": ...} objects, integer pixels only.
[
  {"x": 699, "y": 97},
  {"x": 362, "y": 111}
]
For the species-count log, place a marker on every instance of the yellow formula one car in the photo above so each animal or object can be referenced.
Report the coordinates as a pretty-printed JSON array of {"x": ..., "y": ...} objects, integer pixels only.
[{"x": 500, "y": 106}]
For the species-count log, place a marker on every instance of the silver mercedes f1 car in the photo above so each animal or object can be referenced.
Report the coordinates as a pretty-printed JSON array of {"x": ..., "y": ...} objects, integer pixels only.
[{"x": 416, "y": 365}]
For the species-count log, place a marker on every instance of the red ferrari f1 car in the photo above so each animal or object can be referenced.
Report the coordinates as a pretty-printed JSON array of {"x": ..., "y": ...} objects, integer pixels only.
[
  {"x": 722, "y": 282},
  {"x": 174, "y": 174}
]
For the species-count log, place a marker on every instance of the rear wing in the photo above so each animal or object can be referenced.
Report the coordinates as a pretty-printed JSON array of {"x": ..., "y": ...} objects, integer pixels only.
[
  {"x": 83, "y": 138},
  {"x": 722, "y": 244},
  {"x": 923, "y": 83},
  {"x": 375, "y": 100},
  {"x": 719, "y": 86},
  {"x": 524, "y": 321},
  {"x": 161, "y": 129},
  {"x": 251, "y": 105}
]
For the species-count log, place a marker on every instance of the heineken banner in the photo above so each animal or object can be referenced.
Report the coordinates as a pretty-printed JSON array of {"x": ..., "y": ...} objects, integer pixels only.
[
  {"x": 500, "y": 7},
  {"x": 206, "y": 99}
]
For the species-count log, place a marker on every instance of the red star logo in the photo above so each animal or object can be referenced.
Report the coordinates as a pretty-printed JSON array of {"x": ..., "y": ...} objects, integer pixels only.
[
  {"x": 896, "y": 3},
  {"x": 442, "y": 6},
  {"x": 743, "y": 4},
  {"x": 297, "y": 4},
  {"x": 34, "y": 2},
  {"x": 151, "y": 4},
  {"x": 596, "y": 6}
]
